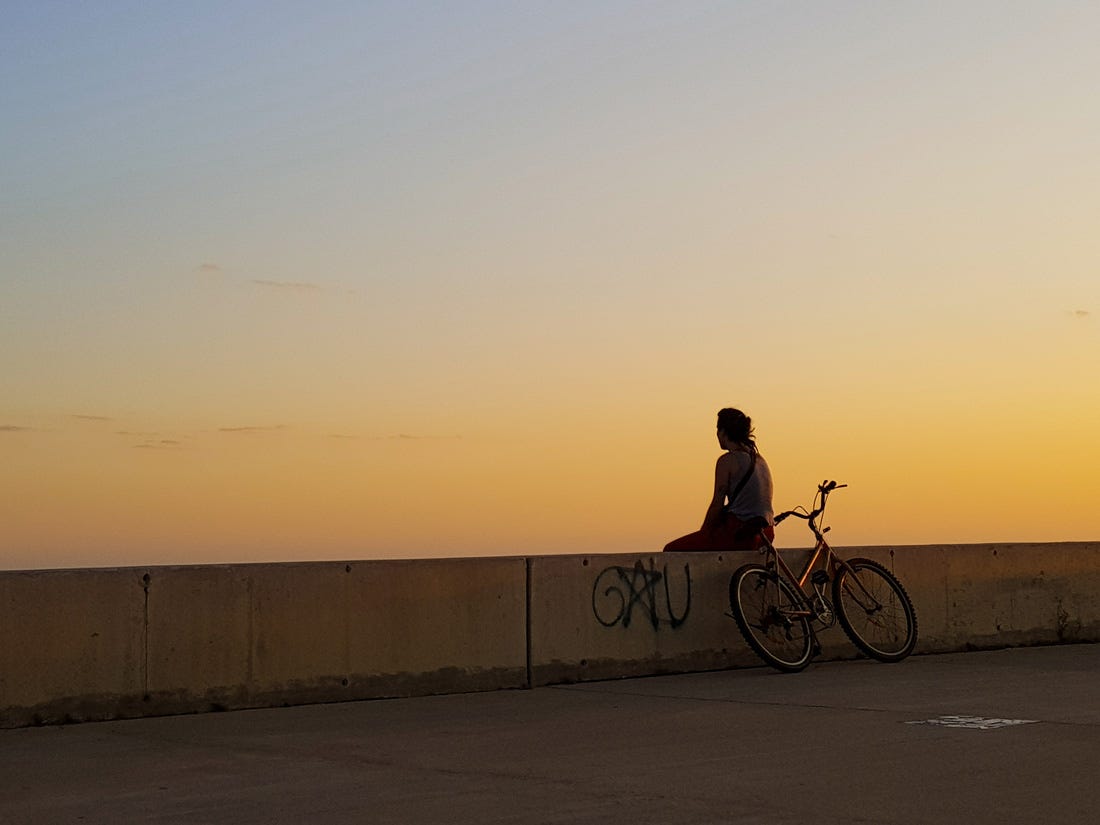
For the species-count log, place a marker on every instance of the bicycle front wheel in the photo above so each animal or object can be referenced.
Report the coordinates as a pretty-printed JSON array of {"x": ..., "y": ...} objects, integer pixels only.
[
  {"x": 771, "y": 618},
  {"x": 874, "y": 610}
]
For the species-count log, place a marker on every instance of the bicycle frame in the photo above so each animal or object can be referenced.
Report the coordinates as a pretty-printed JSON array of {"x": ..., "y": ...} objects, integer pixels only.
[{"x": 831, "y": 563}]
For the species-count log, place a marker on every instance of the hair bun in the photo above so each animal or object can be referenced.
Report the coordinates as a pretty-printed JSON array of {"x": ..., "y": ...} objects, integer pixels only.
[{"x": 735, "y": 424}]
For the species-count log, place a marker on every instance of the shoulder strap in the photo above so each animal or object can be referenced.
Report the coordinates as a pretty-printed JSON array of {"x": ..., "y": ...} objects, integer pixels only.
[{"x": 745, "y": 478}]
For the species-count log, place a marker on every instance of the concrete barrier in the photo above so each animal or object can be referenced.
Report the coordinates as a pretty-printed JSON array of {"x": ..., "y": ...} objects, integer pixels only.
[
  {"x": 603, "y": 617},
  {"x": 81, "y": 645},
  {"x": 606, "y": 616},
  {"x": 71, "y": 645},
  {"x": 999, "y": 595},
  {"x": 97, "y": 644},
  {"x": 599, "y": 617}
]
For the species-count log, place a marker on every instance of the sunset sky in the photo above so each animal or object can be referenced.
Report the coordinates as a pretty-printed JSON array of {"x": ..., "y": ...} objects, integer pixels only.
[{"x": 369, "y": 280}]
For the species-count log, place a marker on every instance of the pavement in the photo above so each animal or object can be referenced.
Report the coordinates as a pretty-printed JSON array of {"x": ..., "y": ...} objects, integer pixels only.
[{"x": 1010, "y": 736}]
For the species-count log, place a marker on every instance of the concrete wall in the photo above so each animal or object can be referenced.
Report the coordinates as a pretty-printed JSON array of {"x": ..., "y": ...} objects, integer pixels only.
[
  {"x": 997, "y": 595},
  {"x": 606, "y": 616},
  {"x": 97, "y": 644},
  {"x": 72, "y": 640},
  {"x": 94, "y": 644}
]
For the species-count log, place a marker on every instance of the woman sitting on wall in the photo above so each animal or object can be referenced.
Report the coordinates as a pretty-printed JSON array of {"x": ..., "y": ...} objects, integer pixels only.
[{"x": 742, "y": 501}]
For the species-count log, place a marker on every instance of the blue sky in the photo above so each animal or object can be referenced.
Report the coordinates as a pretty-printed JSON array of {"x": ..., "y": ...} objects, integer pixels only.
[{"x": 504, "y": 221}]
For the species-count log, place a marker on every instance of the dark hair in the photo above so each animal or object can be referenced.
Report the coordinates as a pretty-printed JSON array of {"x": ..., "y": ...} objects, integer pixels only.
[{"x": 737, "y": 426}]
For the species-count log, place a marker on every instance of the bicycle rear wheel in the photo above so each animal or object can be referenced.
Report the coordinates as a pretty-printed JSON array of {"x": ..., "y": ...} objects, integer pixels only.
[
  {"x": 874, "y": 610},
  {"x": 771, "y": 618}
]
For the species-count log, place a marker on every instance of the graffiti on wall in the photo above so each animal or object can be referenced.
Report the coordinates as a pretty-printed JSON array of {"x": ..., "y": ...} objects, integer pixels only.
[{"x": 618, "y": 592}]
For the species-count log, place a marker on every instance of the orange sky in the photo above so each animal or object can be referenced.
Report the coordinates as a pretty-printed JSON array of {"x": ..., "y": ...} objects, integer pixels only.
[{"x": 364, "y": 283}]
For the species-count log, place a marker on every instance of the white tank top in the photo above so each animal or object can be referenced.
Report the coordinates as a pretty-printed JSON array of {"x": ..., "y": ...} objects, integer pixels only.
[{"x": 755, "y": 498}]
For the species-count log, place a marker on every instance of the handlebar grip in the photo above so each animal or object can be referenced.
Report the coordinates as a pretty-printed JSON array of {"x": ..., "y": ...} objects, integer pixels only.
[{"x": 780, "y": 517}]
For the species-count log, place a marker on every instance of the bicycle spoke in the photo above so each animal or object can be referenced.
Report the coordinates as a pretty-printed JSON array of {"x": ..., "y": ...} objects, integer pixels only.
[
  {"x": 767, "y": 611},
  {"x": 875, "y": 610}
]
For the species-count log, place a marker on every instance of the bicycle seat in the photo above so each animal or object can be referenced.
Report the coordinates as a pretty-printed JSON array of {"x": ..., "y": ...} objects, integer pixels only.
[{"x": 751, "y": 527}]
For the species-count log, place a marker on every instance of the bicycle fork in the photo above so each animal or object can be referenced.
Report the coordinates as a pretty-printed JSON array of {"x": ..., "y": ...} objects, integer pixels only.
[{"x": 822, "y": 607}]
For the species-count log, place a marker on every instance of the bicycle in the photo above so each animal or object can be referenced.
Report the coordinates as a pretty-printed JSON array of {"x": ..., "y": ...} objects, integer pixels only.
[{"x": 776, "y": 613}]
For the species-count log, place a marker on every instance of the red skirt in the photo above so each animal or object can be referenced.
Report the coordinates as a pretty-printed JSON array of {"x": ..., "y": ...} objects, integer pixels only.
[{"x": 722, "y": 536}]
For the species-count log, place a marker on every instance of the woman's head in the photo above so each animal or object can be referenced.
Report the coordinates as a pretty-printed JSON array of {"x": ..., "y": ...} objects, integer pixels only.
[{"x": 737, "y": 426}]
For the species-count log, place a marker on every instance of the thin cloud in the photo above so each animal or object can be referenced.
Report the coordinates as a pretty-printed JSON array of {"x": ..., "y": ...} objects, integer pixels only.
[
  {"x": 251, "y": 429},
  {"x": 163, "y": 444},
  {"x": 396, "y": 437},
  {"x": 13, "y": 428},
  {"x": 410, "y": 437},
  {"x": 291, "y": 286},
  {"x": 1080, "y": 313},
  {"x": 93, "y": 418},
  {"x": 210, "y": 270}
]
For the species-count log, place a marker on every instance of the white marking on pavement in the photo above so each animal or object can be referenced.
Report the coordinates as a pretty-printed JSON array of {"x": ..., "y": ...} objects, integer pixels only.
[{"x": 973, "y": 722}]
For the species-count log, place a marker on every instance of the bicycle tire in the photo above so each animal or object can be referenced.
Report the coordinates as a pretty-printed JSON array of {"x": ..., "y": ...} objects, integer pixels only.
[
  {"x": 760, "y": 601},
  {"x": 874, "y": 610}
]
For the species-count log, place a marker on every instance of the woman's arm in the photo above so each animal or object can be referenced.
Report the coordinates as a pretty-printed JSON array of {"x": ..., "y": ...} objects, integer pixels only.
[{"x": 721, "y": 485}]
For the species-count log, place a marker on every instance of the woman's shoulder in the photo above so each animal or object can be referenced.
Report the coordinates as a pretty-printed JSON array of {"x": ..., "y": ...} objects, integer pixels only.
[{"x": 736, "y": 458}]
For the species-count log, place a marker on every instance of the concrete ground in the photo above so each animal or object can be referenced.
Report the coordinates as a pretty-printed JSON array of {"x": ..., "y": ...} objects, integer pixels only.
[{"x": 935, "y": 739}]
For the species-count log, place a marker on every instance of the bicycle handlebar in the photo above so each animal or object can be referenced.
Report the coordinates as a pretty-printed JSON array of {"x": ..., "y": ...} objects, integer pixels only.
[{"x": 823, "y": 489}]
